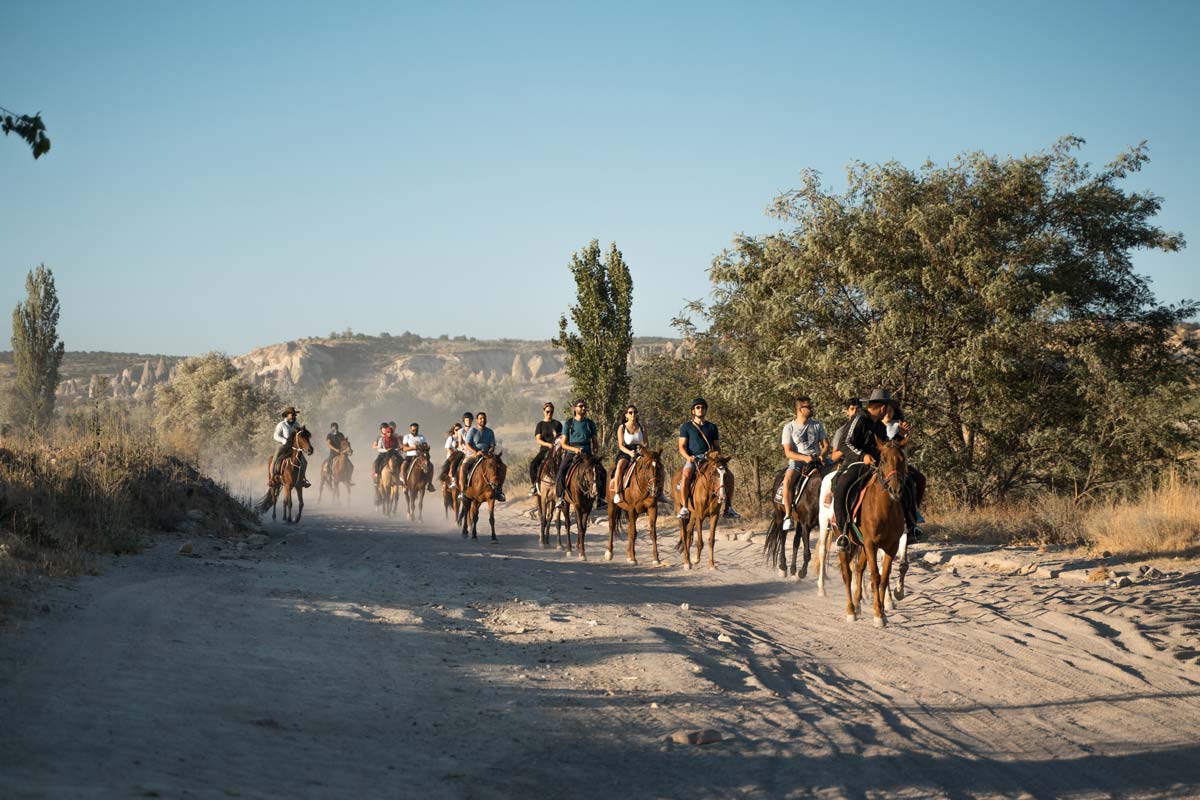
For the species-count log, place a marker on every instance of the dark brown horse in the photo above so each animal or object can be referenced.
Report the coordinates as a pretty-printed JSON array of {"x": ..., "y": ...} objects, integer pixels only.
[
  {"x": 548, "y": 511},
  {"x": 881, "y": 525},
  {"x": 417, "y": 480},
  {"x": 291, "y": 476},
  {"x": 804, "y": 511},
  {"x": 484, "y": 479},
  {"x": 706, "y": 502},
  {"x": 339, "y": 474},
  {"x": 639, "y": 496},
  {"x": 580, "y": 493},
  {"x": 449, "y": 497}
]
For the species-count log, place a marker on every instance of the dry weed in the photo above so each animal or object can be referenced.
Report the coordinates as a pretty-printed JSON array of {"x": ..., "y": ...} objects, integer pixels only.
[{"x": 1162, "y": 520}]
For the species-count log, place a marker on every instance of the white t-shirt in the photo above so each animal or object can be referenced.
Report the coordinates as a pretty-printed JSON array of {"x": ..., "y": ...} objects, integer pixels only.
[
  {"x": 451, "y": 442},
  {"x": 632, "y": 439},
  {"x": 285, "y": 429},
  {"x": 412, "y": 441},
  {"x": 805, "y": 437}
]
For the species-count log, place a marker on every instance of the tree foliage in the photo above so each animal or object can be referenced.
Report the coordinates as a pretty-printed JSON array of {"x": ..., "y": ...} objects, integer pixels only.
[
  {"x": 995, "y": 295},
  {"x": 31, "y": 129},
  {"x": 210, "y": 412},
  {"x": 597, "y": 350},
  {"x": 37, "y": 353}
]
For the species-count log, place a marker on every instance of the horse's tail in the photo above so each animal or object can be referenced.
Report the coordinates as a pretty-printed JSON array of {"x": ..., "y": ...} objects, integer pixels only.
[
  {"x": 268, "y": 500},
  {"x": 774, "y": 543}
]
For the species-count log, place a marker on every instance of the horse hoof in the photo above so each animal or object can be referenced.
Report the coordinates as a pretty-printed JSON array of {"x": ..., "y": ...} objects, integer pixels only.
[
  {"x": 582, "y": 557},
  {"x": 782, "y": 572},
  {"x": 851, "y": 617},
  {"x": 712, "y": 567},
  {"x": 880, "y": 622},
  {"x": 608, "y": 555},
  {"x": 899, "y": 594},
  {"x": 656, "y": 563},
  {"x": 802, "y": 573},
  {"x": 821, "y": 592},
  {"x": 688, "y": 567}
]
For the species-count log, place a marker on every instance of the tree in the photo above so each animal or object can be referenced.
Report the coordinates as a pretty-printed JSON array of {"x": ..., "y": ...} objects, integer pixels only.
[
  {"x": 996, "y": 296},
  {"x": 210, "y": 411},
  {"x": 597, "y": 351},
  {"x": 37, "y": 352},
  {"x": 31, "y": 129}
]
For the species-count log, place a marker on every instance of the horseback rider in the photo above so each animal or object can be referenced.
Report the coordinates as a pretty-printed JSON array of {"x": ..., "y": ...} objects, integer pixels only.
[
  {"x": 451, "y": 447},
  {"x": 862, "y": 452},
  {"x": 479, "y": 441},
  {"x": 386, "y": 444},
  {"x": 893, "y": 420},
  {"x": 697, "y": 437},
  {"x": 285, "y": 431},
  {"x": 338, "y": 444},
  {"x": 631, "y": 438},
  {"x": 836, "y": 453},
  {"x": 460, "y": 443},
  {"x": 411, "y": 444},
  {"x": 804, "y": 442},
  {"x": 546, "y": 433},
  {"x": 580, "y": 433}
]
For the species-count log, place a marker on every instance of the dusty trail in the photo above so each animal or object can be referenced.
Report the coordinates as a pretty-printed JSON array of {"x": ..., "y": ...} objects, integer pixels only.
[{"x": 384, "y": 659}]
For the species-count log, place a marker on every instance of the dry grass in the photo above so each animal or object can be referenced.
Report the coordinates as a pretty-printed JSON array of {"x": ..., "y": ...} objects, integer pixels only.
[
  {"x": 61, "y": 505},
  {"x": 1161, "y": 521}
]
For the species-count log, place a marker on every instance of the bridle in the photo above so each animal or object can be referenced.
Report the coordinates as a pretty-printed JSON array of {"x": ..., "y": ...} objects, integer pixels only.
[{"x": 885, "y": 480}]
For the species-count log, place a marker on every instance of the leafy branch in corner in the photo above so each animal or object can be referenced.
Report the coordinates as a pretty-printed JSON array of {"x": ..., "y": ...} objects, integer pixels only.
[{"x": 31, "y": 129}]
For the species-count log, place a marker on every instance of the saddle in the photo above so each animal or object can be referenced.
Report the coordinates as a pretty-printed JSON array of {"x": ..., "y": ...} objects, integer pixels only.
[
  {"x": 471, "y": 473},
  {"x": 807, "y": 473},
  {"x": 627, "y": 478}
]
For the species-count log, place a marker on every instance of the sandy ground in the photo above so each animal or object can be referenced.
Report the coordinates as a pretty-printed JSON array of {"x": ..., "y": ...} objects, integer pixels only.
[{"x": 369, "y": 658}]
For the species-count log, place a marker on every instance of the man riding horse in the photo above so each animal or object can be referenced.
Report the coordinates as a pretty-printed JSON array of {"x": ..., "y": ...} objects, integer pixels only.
[
  {"x": 479, "y": 441},
  {"x": 697, "y": 437},
  {"x": 412, "y": 443},
  {"x": 546, "y": 433},
  {"x": 285, "y": 431},
  {"x": 805, "y": 443},
  {"x": 861, "y": 455},
  {"x": 386, "y": 444},
  {"x": 338, "y": 444},
  {"x": 580, "y": 432}
]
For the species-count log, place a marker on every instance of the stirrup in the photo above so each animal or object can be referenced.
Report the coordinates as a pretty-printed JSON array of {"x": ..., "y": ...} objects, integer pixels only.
[
  {"x": 842, "y": 542},
  {"x": 788, "y": 524},
  {"x": 617, "y": 498},
  {"x": 533, "y": 490},
  {"x": 684, "y": 513}
]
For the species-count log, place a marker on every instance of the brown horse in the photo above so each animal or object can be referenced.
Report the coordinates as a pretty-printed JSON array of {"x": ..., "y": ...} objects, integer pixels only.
[
  {"x": 805, "y": 507},
  {"x": 548, "y": 511},
  {"x": 484, "y": 479},
  {"x": 580, "y": 492},
  {"x": 881, "y": 525},
  {"x": 387, "y": 493},
  {"x": 449, "y": 497},
  {"x": 291, "y": 476},
  {"x": 706, "y": 502},
  {"x": 416, "y": 481},
  {"x": 341, "y": 472},
  {"x": 639, "y": 496}
]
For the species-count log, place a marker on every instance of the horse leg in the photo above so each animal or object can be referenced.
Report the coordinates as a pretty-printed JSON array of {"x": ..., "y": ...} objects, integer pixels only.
[
  {"x": 779, "y": 554},
  {"x": 476, "y": 507},
  {"x": 885, "y": 575},
  {"x": 582, "y": 522},
  {"x": 822, "y": 555},
  {"x": 803, "y": 571},
  {"x": 848, "y": 579},
  {"x": 299, "y": 501},
  {"x": 567, "y": 517},
  {"x": 712, "y": 539},
  {"x": 631, "y": 548},
  {"x": 902, "y": 557},
  {"x": 872, "y": 559},
  {"x": 796, "y": 534},
  {"x": 652, "y": 516},
  {"x": 492, "y": 516},
  {"x": 464, "y": 516},
  {"x": 612, "y": 529},
  {"x": 685, "y": 541}
]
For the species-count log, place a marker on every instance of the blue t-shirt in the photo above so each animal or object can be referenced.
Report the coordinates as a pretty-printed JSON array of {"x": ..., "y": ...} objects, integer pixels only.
[
  {"x": 696, "y": 446},
  {"x": 481, "y": 438},
  {"x": 580, "y": 432}
]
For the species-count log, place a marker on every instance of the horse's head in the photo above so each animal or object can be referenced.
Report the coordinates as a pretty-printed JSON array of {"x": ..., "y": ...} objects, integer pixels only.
[
  {"x": 303, "y": 441},
  {"x": 493, "y": 469},
  {"x": 587, "y": 474},
  {"x": 649, "y": 464},
  {"x": 892, "y": 468}
]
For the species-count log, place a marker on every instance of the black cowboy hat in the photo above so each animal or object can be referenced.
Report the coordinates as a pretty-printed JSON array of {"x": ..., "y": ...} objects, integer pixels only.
[
  {"x": 880, "y": 396},
  {"x": 290, "y": 410}
]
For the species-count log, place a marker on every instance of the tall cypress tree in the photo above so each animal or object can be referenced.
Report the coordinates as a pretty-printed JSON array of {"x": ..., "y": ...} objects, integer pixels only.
[
  {"x": 597, "y": 350},
  {"x": 37, "y": 352}
]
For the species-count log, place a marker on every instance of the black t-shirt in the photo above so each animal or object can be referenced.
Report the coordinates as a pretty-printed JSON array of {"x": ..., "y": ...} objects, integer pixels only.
[
  {"x": 336, "y": 439},
  {"x": 549, "y": 431}
]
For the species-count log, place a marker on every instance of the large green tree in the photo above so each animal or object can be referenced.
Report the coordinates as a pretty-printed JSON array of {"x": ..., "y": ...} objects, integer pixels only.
[
  {"x": 37, "y": 353},
  {"x": 597, "y": 350},
  {"x": 995, "y": 295},
  {"x": 210, "y": 412}
]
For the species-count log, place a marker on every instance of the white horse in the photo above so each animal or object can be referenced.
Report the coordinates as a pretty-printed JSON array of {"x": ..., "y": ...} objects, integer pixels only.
[{"x": 825, "y": 540}]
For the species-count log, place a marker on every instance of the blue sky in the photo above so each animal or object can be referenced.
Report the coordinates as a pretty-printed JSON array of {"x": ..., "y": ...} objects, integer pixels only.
[{"x": 230, "y": 175}]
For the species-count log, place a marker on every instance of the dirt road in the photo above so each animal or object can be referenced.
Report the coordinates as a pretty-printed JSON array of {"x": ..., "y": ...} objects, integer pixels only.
[{"x": 374, "y": 659}]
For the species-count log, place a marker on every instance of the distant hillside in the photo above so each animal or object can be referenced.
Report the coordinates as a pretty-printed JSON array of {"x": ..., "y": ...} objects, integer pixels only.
[{"x": 357, "y": 362}]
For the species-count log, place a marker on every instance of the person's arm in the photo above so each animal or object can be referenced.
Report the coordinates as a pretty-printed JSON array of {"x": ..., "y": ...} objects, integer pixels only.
[
  {"x": 683, "y": 450},
  {"x": 824, "y": 449},
  {"x": 856, "y": 449},
  {"x": 789, "y": 449}
]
